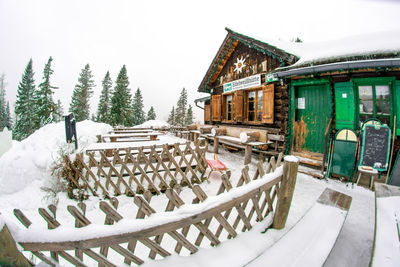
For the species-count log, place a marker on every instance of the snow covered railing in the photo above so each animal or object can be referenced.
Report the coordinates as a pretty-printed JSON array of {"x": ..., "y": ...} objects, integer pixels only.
[
  {"x": 154, "y": 234},
  {"x": 387, "y": 226},
  {"x": 311, "y": 240},
  {"x": 134, "y": 170}
]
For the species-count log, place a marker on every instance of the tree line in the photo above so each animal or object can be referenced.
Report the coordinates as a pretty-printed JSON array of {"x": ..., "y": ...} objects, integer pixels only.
[
  {"x": 35, "y": 107},
  {"x": 182, "y": 115}
]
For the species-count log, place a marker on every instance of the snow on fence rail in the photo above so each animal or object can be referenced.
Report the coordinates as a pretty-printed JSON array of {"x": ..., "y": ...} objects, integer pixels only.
[
  {"x": 134, "y": 170},
  {"x": 181, "y": 228}
]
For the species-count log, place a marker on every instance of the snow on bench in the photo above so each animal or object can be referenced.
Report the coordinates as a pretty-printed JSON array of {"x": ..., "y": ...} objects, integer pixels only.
[
  {"x": 387, "y": 226},
  {"x": 310, "y": 241}
]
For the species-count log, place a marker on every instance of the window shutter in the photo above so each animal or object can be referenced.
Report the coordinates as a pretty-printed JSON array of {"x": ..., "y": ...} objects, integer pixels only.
[
  {"x": 268, "y": 104},
  {"x": 397, "y": 105},
  {"x": 206, "y": 112},
  {"x": 216, "y": 107},
  {"x": 345, "y": 111},
  {"x": 239, "y": 105},
  {"x": 224, "y": 107}
]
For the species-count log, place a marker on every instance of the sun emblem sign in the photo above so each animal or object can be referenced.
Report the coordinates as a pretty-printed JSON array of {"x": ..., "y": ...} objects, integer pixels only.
[{"x": 239, "y": 65}]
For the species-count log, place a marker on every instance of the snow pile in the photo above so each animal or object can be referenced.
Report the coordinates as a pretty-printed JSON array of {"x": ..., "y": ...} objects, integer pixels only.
[
  {"x": 154, "y": 124},
  {"x": 5, "y": 140},
  {"x": 32, "y": 158}
]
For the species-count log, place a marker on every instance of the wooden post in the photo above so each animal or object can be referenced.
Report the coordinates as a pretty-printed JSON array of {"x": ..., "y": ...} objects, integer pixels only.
[
  {"x": 247, "y": 155},
  {"x": 286, "y": 190},
  {"x": 9, "y": 253},
  {"x": 216, "y": 145}
]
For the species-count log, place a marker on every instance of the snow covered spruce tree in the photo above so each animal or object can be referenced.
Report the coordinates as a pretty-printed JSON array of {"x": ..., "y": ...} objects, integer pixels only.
[
  {"x": 81, "y": 95},
  {"x": 137, "y": 107},
  {"x": 151, "y": 114},
  {"x": 171, "y": 117},
  {"x": 44, "y": 97},
  {"x": 189, "y": 116},
  {"x": 3, "y": 113},
  {"x": 121, "y": 110},
  {"x": 181, "y": 107},
  {"x": 58, "y": 111},
  {"x": 104, "y": 107},
  {"x": 25, "y": 105},
  {"x": 8, "y": 116}
]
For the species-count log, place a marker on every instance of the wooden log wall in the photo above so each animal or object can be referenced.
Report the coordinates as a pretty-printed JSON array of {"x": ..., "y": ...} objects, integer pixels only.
[
  {"x": 256, "y": 62},
  {"x": 133, "y": 171},
  {"x": 182, "y": 236}
]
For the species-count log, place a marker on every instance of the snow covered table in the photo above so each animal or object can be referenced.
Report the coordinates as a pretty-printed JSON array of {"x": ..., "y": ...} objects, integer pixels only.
[
  {"x": 310, "y": 241},
  {"x": 387, "y": 235},
  {"x": 130, "y": 136}
]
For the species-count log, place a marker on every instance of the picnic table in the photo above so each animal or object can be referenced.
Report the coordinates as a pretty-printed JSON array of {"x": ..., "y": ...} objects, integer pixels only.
[{"x": 128, "y": 136}]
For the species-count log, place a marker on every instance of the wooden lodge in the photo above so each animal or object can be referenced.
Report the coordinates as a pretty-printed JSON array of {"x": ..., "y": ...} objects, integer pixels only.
[{"x": 304, "y": 93}]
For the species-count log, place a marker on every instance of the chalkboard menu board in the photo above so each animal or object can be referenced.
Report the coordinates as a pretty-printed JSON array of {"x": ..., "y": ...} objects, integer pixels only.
[
  {"x": 375, "y": 147},
  {"x": 395, "y": 175}
]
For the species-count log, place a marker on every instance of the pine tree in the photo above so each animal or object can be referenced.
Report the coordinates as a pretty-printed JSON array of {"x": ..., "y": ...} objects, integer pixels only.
[
  {"x": 58, "y": 111},
  {"x": 8, "y": 117},
  {"x": 121, "y": 110},
  {"x": 181, "y": 108},
  {"x": 137, "y": 108},
  {"x": 171, "y": 117},
  {"x": 151, "y": 115},
  {"x": 44, "y": 96},
  {"x": 80, "y": 97},
  {"x": 3, "y": 114},
  {"x": 25, "y": 105},
  {"x": 189, "y": 116},
  {"x": 104, "y": 107}
]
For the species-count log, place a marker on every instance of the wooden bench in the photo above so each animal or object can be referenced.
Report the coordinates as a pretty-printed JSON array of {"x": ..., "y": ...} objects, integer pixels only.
[
  {"x": 236, "y": 142},
  {"x": 311, "y": 240},
  {"x": 387, "y": 226},
  {"x": 130, "y": 137},
  {"x": 131, "y": 131}
]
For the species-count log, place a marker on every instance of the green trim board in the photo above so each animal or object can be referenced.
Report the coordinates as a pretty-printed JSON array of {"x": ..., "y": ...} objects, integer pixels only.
[{"x": 375, "y": 147}]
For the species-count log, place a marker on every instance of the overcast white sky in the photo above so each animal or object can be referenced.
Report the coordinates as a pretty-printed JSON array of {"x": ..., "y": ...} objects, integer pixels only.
[{"x": 165, "y": 45}]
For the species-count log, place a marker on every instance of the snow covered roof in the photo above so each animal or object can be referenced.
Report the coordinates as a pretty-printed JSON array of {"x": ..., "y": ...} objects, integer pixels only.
[
  {"x": 376, "y": 45},
  {"x": 295, "y": 55}
]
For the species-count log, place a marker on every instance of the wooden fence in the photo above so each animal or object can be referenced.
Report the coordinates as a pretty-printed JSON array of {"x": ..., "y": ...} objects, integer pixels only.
[
  {"x": 234, "y": 209},
  {"x": 135, "y": 170}
]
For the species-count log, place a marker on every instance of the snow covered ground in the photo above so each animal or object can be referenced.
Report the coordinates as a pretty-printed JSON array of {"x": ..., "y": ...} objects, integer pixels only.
[{"x": 25, "y": 171}]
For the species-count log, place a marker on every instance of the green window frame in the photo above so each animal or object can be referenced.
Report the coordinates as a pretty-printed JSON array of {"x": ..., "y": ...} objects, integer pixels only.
[{"x": 375, "y": 99}]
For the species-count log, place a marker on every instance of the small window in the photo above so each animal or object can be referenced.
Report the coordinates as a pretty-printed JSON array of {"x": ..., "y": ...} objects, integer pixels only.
[
  {"x": 375, "y": 102},
  {"x": 254, "y": 106},
  {"x": 229, "y": 107}
]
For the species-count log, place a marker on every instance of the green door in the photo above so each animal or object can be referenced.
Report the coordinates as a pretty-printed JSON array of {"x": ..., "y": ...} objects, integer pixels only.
[{"x": 313, "y": 110}]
